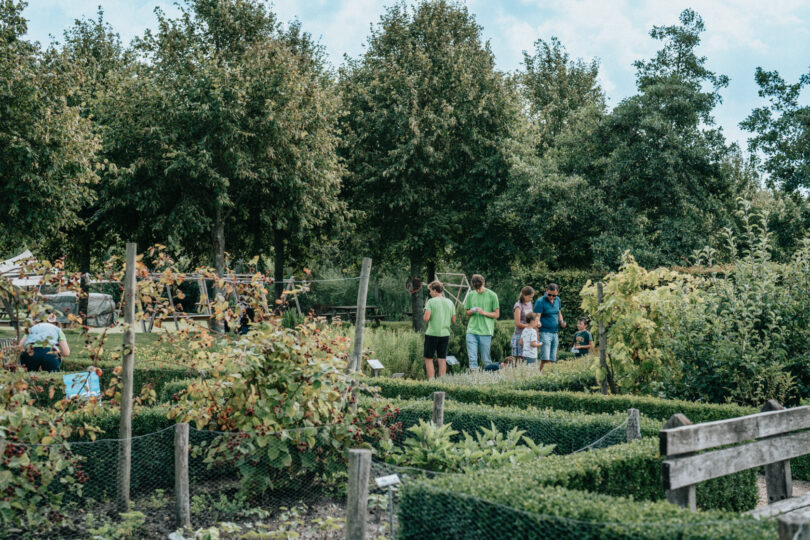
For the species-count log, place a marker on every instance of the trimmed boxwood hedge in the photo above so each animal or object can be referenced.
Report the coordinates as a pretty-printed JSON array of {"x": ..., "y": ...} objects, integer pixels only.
[
  {"x": 520, "y": 510},
  {"x": 574, "y": 487},
  {"x": 142, "y": 376},
  {"x": 569, "y": 431},
  {"x": 569, "y": 401}
]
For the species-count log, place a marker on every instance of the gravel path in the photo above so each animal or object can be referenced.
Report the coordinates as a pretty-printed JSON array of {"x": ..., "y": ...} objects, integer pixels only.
[{"x": 800, "y": 487}]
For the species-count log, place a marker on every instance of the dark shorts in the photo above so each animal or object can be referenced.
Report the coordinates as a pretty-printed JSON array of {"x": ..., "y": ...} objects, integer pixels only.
[
  {"x": 41, "y": 358},
  {"x": 436, "y": 346}
]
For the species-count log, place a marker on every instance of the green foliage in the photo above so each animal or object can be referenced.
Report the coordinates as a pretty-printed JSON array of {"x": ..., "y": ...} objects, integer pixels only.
[
  {"x": 556, "y": 87},
  {"x": 639, "y": 307},
  {"x": 38, "y": 470},
  {"x": 521, "y": 511},
  {"x": 564, "y": 430},
  {"x": 782, "y": 130},
  {"x": 650, "y": 407},
  {"x": 46, "y": 147},
  {"x": 431, "y": 447},
  {"x": 287, "y": 396},
  {"x": 427, "y": 118},
  {"x": 557, "y": 500}
]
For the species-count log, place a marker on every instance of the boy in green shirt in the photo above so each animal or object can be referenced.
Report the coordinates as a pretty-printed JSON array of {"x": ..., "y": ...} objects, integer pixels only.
[
  {"x": 583, "y": 340},
  {"x": 439, "y": 315},
  {"x": 482, "y": 308}
]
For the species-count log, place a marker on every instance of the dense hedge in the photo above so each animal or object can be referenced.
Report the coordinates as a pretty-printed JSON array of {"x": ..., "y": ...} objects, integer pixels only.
[
  {"x": 518, "y": 510},
  {"x": 568, "y": 401},
  {"x": 568, "y": 431},
  {"x": 548, "y": 488},
  {"x": 142, "y": 375}
]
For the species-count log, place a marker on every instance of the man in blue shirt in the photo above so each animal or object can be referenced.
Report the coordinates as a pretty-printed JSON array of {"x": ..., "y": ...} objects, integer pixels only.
[{"x": 551, "y": 320}]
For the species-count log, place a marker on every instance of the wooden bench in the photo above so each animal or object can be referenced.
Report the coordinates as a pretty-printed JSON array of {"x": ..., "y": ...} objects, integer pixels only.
[
  {"x": 770, "y": 439},
  {"x": 350, "y": 313}
]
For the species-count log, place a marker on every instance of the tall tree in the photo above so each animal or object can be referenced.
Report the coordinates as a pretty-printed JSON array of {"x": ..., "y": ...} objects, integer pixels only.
[
  {"x": 230, "y": 133},
  {"x": 782, "y": 130},
  {"x": 427, "y": 121},
  {"x": 557, "y": 87},
  {"x": 46, "y": 147},
  {"x": 657, "y": 159}
]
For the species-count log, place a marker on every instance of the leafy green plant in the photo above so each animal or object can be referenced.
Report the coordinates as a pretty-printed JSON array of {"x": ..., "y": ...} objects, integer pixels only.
[
  {"x": 127, "y": 527},
  {"x": 284, "y": 400},
  {"x": 430, "y": 447}
]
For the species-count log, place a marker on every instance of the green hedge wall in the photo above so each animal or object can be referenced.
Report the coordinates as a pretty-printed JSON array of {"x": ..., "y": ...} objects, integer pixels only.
[
  {"x": 568, "y": 431},
  {"x": 142, "y": 376},
  {"x": 569, "y": 401},
  {"x": 574, "y": 487},
  {"x": 520, "y": 511}
]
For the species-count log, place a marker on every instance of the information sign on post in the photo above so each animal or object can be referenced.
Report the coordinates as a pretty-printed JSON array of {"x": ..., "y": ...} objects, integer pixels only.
[
  {"x": 375, "y": 365},
  {"x": 452, "y": 361}
]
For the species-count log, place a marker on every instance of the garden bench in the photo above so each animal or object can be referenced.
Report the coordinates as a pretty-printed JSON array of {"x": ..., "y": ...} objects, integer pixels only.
[{"x": 770, "y": 439}]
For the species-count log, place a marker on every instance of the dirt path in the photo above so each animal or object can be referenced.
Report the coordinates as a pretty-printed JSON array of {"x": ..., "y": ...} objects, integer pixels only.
[{"x": 800, "y": 487}]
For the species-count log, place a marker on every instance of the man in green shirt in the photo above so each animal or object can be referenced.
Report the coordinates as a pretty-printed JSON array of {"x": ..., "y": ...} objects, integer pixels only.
[
  {"x": 440, "y": 313},
  {"x": 482, "y": 308}
]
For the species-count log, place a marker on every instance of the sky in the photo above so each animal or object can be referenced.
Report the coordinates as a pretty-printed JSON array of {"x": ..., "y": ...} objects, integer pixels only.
[{"x": 740, "y": 35}]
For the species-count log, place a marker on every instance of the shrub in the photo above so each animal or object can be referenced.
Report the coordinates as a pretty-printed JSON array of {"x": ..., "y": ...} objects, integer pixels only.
[
  {"x": 431, "y": 447},
  {"x": 567, "y": 431},
  {"x": 515, "y": 509},
  {"x": 569, "y": 401},
  {"x": 288, "y": 396}
]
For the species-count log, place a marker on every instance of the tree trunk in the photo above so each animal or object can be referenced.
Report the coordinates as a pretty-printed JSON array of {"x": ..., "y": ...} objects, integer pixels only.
[
  {"x": 278, "y": 261},
  {"x": 219, "y": 261},
  {"x": 84, "y": 270},
  {"x": 417, "y": 302},
  {"x": 431, "y": 271}
]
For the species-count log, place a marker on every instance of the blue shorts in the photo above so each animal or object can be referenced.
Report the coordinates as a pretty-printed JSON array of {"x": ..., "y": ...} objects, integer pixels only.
[{"x": 548, "y": 350}]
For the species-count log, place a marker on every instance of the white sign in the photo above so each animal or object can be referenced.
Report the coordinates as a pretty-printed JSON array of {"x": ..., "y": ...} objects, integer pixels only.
[
  {"x": 374, "y": 363},
  {"x": 452, "y": 361},
  {"x": 385, "y": 481},
  {"x": 397, "y": 375}
]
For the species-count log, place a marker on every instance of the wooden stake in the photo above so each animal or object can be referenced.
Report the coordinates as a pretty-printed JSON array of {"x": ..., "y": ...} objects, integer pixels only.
[
  {"x": 360, "y": 319},
  {"x": 357, "y": 499},
  {"x": 633, "y": 425},
  {"x": 603, "y": 384},
  {"x": 125, "y": 431},
  {"x": 685, "y": 496},
  {"x": 181, "y": 494},
  {"x": 778, "y": 479},
  {"x": 438, "y": 408}
]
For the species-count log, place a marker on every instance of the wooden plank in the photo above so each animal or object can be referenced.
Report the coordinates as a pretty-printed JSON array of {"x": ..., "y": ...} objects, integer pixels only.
[
  {"x": 723, "y": 432},
  {"x": 357, "y": 496},
  {"x": 438, "y": 408},
  {"x": 784, "y": 506},
  {"x": 778, "y": 480},
  {"x": 182, "y": 508},
  {"x": 684, "y": 496},
  {"x": 684, "y": 471},
  {"x": 128, "y": 362}
]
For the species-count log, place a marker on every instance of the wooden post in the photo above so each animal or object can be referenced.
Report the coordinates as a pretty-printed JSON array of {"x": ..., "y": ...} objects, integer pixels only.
[
  {"x": 357, "y": 497},
  {"x": 125, "y": 431},
  {"x": 792, "y": 527},
  {"x": 182, "y": 508},
  {"x": 778, "y": 479},
  {"x": 438, "y": 408},
  {"x": 2, "y": 445},
  {"x": 603, "y": 384},
  {"x": 633, "y": 425},
  {"x": 360, "y": 319},
  {"x": 684, "y": 496}
]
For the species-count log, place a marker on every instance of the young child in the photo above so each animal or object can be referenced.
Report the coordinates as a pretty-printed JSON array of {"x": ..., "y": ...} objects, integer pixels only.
[
  {"x": 528, "y": 338},
  {"x": 583, "y": 340}
]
